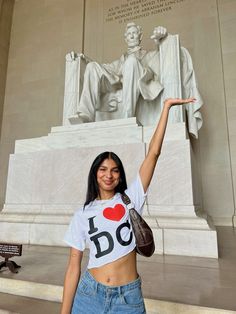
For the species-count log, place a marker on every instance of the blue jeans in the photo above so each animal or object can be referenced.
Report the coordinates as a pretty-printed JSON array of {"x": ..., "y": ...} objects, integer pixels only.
[{"x": 93, "y": 297}]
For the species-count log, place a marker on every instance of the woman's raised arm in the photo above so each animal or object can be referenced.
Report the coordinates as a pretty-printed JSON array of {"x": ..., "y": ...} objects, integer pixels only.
[{"x": 149, "y": 163}]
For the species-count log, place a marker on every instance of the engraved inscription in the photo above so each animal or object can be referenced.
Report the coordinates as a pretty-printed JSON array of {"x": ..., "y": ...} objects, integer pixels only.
[{"x": 130, "y": 10}]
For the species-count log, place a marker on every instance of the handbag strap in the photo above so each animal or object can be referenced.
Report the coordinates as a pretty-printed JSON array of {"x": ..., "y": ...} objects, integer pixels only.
[{"x": 125, "y": 198}]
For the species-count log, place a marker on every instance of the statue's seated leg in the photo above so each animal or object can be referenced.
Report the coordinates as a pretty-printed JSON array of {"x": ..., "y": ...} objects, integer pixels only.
[
  {"x": 89, "y": 98},
  {"x": 132, "y": 71},
  {"x": 94, "y": 77}
]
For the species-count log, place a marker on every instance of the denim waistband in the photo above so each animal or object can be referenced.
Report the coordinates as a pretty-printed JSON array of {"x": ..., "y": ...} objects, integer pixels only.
[{"x": 89, "y": 279}]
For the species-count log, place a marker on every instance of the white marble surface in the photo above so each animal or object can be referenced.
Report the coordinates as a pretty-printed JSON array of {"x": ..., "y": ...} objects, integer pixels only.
[
  {"x": 35, "y": 231},
  {"x": 116, "y": 132},
  {"x": 172, "y": 179},
  {"x": 64, "y": 171},
  {"x": 31, "y": 144},
  {"x": 174, "y": 131},
  {"x": 40, "y": 208},
  {"x": 169, "y": 222},
  {"x": 120, "y": 131},
  {"x": 190, "y": 242},
  {"x": 96, "y": 125},
  {"x": 12, "y": 232}
]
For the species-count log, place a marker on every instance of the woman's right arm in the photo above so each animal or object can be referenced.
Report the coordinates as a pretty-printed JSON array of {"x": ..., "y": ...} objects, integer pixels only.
[{"x": 71, "y": 280}]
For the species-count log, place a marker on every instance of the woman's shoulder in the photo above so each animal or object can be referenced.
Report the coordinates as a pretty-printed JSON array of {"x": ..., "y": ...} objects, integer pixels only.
[
  {"x": 82, "y": 213},
  {"x": 79, "y": 211},
  {"x": 82, "y": 209}
]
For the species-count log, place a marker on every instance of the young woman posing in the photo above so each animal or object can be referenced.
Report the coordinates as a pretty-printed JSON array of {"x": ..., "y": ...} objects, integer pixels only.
[{"x": 111, "y": 283}]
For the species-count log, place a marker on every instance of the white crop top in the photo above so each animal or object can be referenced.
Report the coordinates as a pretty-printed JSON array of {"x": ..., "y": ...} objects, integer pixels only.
[{"x": 104, "y": 225}]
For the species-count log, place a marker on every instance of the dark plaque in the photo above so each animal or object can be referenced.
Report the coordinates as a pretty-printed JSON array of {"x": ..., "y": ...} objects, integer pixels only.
[{"x": 8, "y": 250}]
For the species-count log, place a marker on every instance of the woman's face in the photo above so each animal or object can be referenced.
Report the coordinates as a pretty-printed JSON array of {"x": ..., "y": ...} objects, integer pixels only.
[{"x": 108, "y": 176}]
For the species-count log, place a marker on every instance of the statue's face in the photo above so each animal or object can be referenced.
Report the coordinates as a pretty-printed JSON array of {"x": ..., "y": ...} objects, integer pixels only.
[{"x": 133, "y": 37}]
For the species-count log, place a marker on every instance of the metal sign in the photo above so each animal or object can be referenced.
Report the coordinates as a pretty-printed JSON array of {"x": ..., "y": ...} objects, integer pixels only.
[{"x": 8, "y": 250}]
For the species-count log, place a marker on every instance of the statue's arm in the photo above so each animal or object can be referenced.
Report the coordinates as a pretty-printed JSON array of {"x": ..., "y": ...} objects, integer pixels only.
[{"x": 115, "y": 67}]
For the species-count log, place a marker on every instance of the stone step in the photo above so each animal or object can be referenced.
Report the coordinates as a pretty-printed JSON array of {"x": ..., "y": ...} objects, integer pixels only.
[
  {"x": 47, "y": 292},
  {"x": 164, "y": 307},
  {"x": 12, "y": 304},
  {"x": 31, "y": 289},
  {"x": 53, "y": 293},
  {"x": 7, "y": 312}
]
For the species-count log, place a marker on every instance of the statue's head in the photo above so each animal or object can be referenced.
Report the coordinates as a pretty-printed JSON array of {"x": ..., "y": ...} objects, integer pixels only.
[{"x": 133, "y": 34}]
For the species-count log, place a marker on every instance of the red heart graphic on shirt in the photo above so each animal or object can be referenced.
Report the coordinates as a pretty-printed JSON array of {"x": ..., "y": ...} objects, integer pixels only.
[{"x": 114, "y": 213}]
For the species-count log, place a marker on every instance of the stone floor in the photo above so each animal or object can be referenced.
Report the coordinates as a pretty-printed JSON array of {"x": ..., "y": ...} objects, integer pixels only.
[
  {"x": 23, "y": 305},
  {"x": 194, "y": 281}
]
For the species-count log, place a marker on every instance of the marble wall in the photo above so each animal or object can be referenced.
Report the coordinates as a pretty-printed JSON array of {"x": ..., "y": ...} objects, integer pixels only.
[
  {"x": 44, "y": 31},
  {"x": 227, "y": 17},
  {"x": 6, "y": 9}
]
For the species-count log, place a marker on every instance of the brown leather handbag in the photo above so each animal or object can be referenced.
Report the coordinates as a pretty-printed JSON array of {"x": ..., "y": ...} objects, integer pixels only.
[{"x": 145, "y": 244}]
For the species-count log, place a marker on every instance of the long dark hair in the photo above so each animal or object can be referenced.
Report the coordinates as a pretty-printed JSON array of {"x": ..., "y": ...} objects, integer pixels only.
[{"x": 93, "y": 188}]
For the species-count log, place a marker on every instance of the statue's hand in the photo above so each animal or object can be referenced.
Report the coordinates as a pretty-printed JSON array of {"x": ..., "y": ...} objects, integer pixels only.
[
  {"x": 159, "y": 33},
  {"x": 81, "y": 55},
  {"x": 74, "y": 56},
  {"x": 71, "y": 56}
]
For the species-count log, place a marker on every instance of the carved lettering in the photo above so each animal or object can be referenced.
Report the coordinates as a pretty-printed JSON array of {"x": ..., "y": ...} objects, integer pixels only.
[{"x": 135, "y": 9}]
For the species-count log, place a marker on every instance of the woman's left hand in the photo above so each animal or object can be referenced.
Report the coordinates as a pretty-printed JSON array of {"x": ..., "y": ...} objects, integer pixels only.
[{"x": 169, "y": 102}]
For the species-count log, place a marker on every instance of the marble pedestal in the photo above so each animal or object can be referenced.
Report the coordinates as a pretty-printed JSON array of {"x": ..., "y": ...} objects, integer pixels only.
[{"x": 47, "y": 181}]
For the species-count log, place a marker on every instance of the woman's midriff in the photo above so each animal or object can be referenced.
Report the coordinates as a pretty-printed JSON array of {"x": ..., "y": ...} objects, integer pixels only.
[{"x": 117, "y": 273}]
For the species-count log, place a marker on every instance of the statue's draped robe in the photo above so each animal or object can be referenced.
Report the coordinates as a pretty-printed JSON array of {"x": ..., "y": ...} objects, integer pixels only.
[{"x": 155, "y": 75}]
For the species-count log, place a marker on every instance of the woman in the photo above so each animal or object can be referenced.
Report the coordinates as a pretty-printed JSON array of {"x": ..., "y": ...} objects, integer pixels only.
[{"x": 111, "y": 284}]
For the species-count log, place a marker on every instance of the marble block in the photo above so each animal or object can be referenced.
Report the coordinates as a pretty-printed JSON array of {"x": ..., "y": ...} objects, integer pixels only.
[
  {"x": 60, "y": 176},
  {"x": 115, "y": 132},
  {"x": 190, "y": 242},
  {"x": 120, "y": 131},
  {"x": 47, "y": 181},
  {"x": 174, "y": 131},
  {"x": 172, "y": 181}
]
